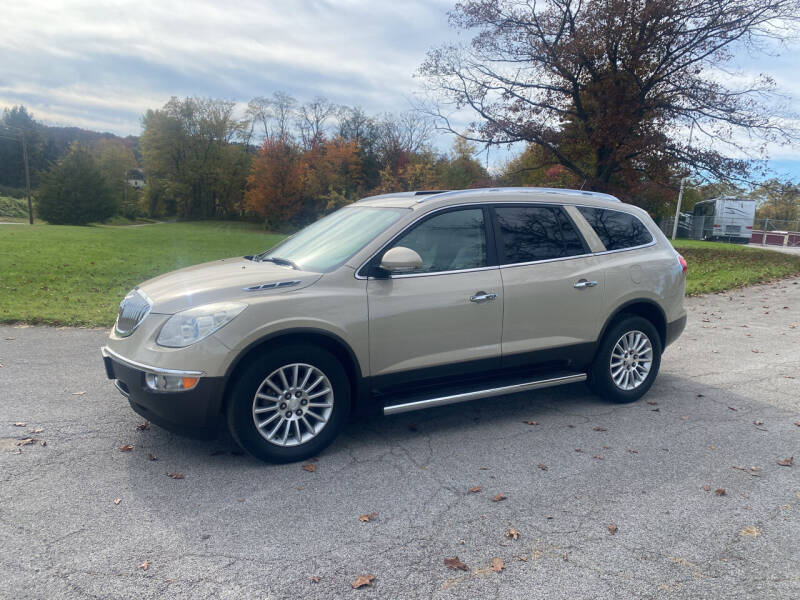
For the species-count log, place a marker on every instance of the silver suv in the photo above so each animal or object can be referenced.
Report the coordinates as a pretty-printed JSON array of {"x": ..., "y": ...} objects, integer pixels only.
[{"x": 402, "y": 302}]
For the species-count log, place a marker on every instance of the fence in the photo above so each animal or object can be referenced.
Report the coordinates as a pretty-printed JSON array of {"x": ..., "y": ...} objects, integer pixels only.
[{"x": 768, "y": 232}]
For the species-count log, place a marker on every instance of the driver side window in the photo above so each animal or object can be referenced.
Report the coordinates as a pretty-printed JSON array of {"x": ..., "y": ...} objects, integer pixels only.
[{"x": 450, "y": 241}]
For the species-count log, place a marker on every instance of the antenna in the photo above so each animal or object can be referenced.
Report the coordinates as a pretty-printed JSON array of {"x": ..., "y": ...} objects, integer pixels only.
[{"x": 583, "y": 184}]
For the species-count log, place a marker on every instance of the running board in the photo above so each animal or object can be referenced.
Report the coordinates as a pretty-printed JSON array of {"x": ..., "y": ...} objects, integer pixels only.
[{"x": 466, "y": 396}]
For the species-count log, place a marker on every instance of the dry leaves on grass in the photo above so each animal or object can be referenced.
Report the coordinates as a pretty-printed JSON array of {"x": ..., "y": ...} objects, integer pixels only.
[
  {"x": 474, "y": 490},
  {"x": 497, "y": 564},
  {"x": 750, "y": 531},
  {"x": 786, "y": 462},
  {"x": 363, "y": 580},
  {"x": 612, "y": 529},
  {"x": 126, "y": 448},
  {"x": 512, "y": 534},
  {"x": 499, "y": 498},
  {"x": 309, "y": 467},
  {"x": 455, "y": 564},
  {"x": 175, "y": 475},
  {"x": 145, "y": 565},
  {"x": 368, "y": 517}
]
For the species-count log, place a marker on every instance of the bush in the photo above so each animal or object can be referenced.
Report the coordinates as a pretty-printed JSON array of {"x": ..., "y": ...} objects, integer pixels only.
[{"x": 74, "y": 192}]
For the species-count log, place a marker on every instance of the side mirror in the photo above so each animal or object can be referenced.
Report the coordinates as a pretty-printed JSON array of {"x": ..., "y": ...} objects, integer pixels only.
[{"x": 401, "y": 260}]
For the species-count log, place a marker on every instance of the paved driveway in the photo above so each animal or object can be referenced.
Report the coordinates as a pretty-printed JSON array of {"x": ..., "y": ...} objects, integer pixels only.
[{"x": 720, "y": 417}]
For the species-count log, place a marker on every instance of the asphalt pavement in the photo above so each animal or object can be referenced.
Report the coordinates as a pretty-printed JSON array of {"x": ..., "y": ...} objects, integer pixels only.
[{"x": 680, "y": 495}]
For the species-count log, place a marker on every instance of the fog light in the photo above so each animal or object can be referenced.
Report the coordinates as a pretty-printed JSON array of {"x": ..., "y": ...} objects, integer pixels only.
[{"x": 169, "y": 383}]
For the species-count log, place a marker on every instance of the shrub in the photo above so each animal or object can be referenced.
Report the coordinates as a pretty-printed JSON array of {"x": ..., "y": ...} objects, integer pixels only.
[{"x": 74, "y": 191}]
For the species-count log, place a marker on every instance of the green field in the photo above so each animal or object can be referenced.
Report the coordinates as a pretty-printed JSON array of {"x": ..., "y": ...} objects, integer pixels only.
[
  {"x": 714, "y": 267},
  {"x": 62, "y": 275}
]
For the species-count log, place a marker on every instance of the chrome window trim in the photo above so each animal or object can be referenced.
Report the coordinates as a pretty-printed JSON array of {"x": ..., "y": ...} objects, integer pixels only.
[
  {"x": 524, "y": 264},
  {"x": 109, "y": 353}
]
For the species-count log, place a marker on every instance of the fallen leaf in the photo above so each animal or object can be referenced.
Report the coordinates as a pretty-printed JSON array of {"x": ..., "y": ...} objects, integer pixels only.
[
  {"x": 719, "y": 492},
  {"x": 598, "y": 428},
  {"x": 474, "y": 490},
  {"x": 497, "y": 564},
  {"x": 498, "y": 498},
  {"x": 542, "y": 467},
  {"x": 314, "y": 578},
  {"x": 363, "y": 580},
  {"x": 732, "y": 408},
  {"x": 309, "y": 467},
  {"x": 20, "y": 424},
  {"x": 78, "y": 393},
  {"x": 522, "y": 558},
  {"x": 578, "y": 449},
  {"x": 117, "y": 500},
  {"x": 512, "y": 534},
  {"x": 240, "y": 499},
  {"x": 758, "y": 422},
  {"x": 43, "y": 443},
  {"x": 797, "y": 423},
  {"x": 632, "y": 451},
  {"x": 145, "y": 565},
  {"x": 143, "y": 426},
  {"x": 655, "y": 409},
  {"x": 707, "y": 488},
  {"x": 36, "y": 430},
  {"x": 652, "y": 403},
  {"x": 598, "y": 456},
  {"x": 176, "y": 475},
  {"x": 755, "y": 351},
  {"x": 786, "y": 462},
  {"x": 531, "y": 422},
  {"x": 455, "y": 564},
  {"x": 685, "y": 418},
  {"x": 25, "y": 442},
  {"x": 612, "y": 529},
  {"x": 151, "y": 456},
  {"x": 368, "y": 517},
  {"x": 126, "y": 448},
  {"x": 750, "y": 531}
]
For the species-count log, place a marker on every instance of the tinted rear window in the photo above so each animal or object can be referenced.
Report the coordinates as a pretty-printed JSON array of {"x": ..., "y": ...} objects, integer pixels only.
[
  {"x": 530, "y": 233},
  {"x": 617, "y": 230}
]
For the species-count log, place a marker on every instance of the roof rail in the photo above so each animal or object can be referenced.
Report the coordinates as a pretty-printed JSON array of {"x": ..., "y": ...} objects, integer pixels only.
[
  {"x": 532, "y": 190},
  {"x": 410, "y": 194}
]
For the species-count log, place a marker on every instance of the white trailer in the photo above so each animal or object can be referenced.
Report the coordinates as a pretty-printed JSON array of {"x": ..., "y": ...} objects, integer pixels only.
[{"x": 726, "y": 218}]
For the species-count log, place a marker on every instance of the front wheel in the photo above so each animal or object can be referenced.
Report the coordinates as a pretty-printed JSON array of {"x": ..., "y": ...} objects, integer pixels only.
[
  {"x": 288, "y": 404},
  {"x": 627, "y": 360}
]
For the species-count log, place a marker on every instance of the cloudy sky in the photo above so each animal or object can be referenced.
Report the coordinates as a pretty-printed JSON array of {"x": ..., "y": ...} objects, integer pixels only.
[{"x": 101, "y": 64}]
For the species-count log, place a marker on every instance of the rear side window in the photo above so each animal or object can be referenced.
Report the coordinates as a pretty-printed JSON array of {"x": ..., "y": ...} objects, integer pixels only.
[
  {"x": 530, "y": 233},
  {"x": 617, "y": 230}
]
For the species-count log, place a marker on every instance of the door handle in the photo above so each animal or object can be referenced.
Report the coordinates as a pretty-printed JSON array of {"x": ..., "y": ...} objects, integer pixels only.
[
  {"x": 482, "y": 297},
  {"x": 582, "y": 283}
]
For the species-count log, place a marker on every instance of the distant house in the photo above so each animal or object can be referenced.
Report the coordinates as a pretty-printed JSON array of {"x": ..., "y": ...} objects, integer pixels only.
[{"x": 136, "y": 178}]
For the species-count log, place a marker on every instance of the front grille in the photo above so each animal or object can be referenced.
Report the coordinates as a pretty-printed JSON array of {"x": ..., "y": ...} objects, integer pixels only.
[{"x": 132, "y": 311}]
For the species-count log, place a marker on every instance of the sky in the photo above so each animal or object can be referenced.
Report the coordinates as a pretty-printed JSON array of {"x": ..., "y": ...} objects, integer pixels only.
[{"x": 100, "y": 65}]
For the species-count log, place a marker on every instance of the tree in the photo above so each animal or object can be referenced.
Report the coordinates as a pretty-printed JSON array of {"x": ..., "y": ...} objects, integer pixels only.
[
  {"x": 609, "y": 88},
  {"x": 780, "y": 200},
  {"x": 74, "y": 191},
  {"x": 14, "y": 122},
  {"x": 115, "y": 160},
  {"x": 274, "y": 186}
]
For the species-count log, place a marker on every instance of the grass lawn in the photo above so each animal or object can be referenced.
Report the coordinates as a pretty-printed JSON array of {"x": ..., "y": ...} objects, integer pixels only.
[
  {"x": 714, "y": 267},
  {"x": 62, "y": 275}
]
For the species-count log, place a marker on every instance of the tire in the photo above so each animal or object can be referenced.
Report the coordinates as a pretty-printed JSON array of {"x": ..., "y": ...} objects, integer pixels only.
[
  {"x": 317, "y": 424},
  {"x": 637, "y": 333}
]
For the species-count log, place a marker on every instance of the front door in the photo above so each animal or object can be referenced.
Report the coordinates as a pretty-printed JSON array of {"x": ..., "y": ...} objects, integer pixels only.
[{"x": 447, "y": 316}]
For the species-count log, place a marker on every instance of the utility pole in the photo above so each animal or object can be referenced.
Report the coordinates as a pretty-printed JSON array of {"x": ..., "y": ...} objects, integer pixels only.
[
  {"x": 680, "y": 194},
  {"x": 27, "y": 177}
]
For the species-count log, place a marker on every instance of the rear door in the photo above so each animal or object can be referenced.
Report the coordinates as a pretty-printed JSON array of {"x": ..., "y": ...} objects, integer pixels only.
[
  {"x": 552, "y": 285},
  {"x": 446, "y": 317}
]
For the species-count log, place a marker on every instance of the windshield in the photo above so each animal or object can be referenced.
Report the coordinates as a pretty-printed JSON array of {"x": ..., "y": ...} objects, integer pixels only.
[{"x": 328, "y": 243}]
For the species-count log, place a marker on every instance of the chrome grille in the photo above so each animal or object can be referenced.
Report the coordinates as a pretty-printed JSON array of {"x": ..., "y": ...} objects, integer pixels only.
[{"x": 132, "y": 311}]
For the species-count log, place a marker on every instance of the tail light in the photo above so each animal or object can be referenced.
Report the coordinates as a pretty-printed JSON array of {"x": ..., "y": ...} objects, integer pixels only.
[{"x": 682, "y": 262}]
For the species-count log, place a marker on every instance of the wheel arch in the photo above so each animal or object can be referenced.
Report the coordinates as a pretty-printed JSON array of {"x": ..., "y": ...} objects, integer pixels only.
[
  {"x": 644, "y": 308},
  {"x": 325, "y": 339}
]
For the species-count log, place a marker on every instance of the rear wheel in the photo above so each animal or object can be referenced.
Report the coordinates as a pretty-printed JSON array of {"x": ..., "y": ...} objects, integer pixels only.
[
  {"x": 627, "y": 361},
  {"x": 288, "y": 404}
]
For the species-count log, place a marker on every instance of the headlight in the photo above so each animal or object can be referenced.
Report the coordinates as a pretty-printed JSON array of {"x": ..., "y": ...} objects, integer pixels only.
[{"x": 190, "y": 326}]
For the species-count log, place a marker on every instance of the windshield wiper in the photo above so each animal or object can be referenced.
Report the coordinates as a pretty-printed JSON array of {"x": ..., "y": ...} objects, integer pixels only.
[{"x": 284, "y": 262}]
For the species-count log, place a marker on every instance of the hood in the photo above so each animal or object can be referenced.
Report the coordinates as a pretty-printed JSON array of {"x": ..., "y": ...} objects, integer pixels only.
[{"x": 221, "y": 280}]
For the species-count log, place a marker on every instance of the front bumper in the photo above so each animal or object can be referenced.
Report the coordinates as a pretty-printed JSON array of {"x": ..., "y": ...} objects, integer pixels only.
[{"x": 194, "y": 412}]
